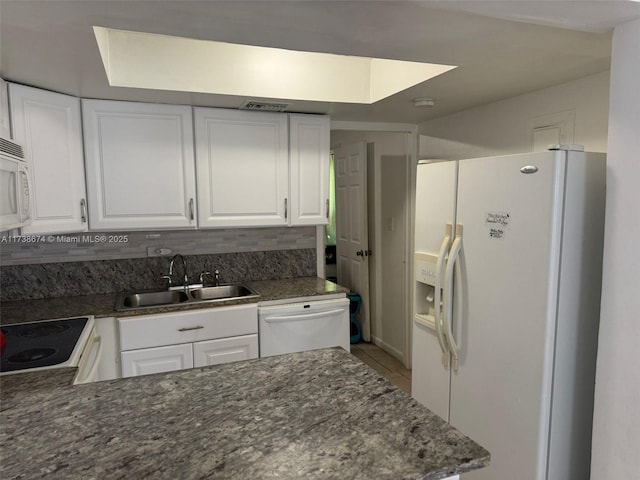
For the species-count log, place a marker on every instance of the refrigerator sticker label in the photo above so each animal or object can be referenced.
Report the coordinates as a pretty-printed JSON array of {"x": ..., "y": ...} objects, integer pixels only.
[
  {"x": 496, "y": 233},
  {"x": 498, "y": 218},
  {"x": 498, "y": 223}
]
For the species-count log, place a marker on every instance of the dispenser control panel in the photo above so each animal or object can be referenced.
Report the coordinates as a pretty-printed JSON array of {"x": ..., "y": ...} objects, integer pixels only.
[{"x": 425, "y": 268}]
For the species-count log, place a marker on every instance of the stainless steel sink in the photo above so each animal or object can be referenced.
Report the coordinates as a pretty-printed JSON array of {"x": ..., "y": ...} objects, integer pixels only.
[
  {"x": 129, "y": 301},
  {"x": 221, "y": 292},
  {"x": 152, "y": 299}
]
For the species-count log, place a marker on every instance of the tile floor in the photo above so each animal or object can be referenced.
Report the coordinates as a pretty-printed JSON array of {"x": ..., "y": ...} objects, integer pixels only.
[{"x": 383, "y": 363}]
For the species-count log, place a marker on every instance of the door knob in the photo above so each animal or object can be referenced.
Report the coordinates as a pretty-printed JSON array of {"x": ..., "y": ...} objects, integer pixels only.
[{"x": 360, "y": 253}]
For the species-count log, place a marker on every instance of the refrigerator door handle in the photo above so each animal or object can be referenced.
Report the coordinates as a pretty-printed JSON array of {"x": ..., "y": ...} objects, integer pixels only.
[
  {"x": 437, "y": 295},
  {"x": 454, "y": 256}
]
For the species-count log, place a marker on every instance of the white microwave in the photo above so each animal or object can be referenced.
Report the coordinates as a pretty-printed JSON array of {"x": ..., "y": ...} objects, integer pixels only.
[{"x": 15, "y": 205}]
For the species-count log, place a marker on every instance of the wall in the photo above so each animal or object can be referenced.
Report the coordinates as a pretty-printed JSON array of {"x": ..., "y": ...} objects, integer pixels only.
[
  {"x": 393, "y": 219},
  {"x": 388, "y": 207},
  {"x": 616, "y": 434},
  {"x": 95, "y": 263},
  {"x": 505, "y": 127},
  {"x": 36, "y": 249}
]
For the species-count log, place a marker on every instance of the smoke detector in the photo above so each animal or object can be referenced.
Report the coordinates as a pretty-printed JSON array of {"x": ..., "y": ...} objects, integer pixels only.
[
  {"x": 263, "y": 106},
  {"x": 423, "y": 102}
]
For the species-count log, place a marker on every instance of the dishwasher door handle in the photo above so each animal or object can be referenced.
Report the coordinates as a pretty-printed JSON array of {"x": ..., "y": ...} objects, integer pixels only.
[{"x": 302, "y": 316}]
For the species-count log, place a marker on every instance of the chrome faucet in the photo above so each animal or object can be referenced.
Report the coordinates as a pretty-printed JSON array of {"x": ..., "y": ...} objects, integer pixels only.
[
  {"x": 184, "y": 269},
  {"x": 216, "y": 278}
]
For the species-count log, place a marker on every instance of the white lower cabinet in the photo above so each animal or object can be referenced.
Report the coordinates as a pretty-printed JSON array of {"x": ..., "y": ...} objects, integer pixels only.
[{"x": 197, "y": 338}]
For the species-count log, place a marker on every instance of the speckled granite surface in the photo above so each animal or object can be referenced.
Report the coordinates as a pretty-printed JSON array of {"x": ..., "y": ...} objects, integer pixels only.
[
  {"x": 103, "y": 305},
  {"x": 295, "y": 287},
  {"x": 314, "y": 415},
  {"x": 20, "y": 311},
  {"x": 17, "y": 386}
]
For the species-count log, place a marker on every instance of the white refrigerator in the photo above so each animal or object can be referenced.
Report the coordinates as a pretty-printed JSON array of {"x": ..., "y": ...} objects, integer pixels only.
[{"x": 510, "y": 250}]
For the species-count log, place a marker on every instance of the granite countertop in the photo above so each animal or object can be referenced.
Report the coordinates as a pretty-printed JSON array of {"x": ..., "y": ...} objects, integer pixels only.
[
  {"x": 19, "y": 311},
  {"x": 315, "y": 415}
]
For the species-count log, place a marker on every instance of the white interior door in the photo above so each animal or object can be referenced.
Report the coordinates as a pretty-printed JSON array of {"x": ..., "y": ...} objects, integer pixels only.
[{"x": 352, "y": 239}]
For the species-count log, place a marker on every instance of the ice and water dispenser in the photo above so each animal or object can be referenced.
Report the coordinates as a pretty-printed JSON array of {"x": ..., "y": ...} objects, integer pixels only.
[{"x": 425, "y": 279}]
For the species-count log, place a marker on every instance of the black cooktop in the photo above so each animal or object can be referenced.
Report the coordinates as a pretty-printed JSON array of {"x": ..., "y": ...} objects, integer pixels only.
[{"x": 39, "y": 344}]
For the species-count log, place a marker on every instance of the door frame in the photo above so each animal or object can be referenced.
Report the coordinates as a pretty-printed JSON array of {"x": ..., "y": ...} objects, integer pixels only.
[{"x": 412, "y": 152}]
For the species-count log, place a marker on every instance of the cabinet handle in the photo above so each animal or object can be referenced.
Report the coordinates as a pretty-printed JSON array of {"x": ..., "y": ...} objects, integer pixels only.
[
  {"x": 285, "y": 209},
  {"x": 327, "y": 208},
  {"x": 191, "y": 209},
  {"x": 83, "y": 210},
  {"x": 186, "y": 329}
]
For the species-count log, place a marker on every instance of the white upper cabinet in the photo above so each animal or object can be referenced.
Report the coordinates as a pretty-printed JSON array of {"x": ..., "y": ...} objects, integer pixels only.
[
  {"x": 5, "y": 125},
  {"x": 48, "y": 125},
  {"x": 140, "y": 165},
  {"x": 309, "y": 169},
  {"x": 243, "y": 168},
  {"x": 261, "y": 169}
]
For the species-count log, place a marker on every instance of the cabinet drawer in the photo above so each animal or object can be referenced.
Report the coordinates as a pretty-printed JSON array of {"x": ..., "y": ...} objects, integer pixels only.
[{"x": 186, "y": 327}]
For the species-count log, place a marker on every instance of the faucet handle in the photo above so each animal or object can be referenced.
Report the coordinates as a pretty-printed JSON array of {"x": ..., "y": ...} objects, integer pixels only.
[
  {"x": 202, "y": 276},
  {"x": 168, "y": 279}
]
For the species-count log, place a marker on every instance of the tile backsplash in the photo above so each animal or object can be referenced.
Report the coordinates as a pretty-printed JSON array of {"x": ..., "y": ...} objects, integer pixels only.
[
  {"x": 30, "y": 249},
  {"x": 58, "y": 267}
]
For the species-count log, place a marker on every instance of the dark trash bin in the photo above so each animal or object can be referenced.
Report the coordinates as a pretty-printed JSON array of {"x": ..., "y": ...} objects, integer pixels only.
[{"x": 355, "y": 301}]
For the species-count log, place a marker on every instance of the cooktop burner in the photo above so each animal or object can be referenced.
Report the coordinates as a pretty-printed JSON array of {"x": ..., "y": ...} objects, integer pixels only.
[
  {"x": 40, "y": 344},
  {"x": 31, "y": 355},
  {"x": 41, "y": 330}
]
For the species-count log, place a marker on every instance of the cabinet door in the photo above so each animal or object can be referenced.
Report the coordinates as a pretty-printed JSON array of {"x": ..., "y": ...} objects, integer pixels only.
[
  {"x": 5, "y": 126},
  {"x": 225, "y": 350},
  {"x": 156, "y": 360},
  {"x": 48, "y": 125},
  {"x": 309, "y": 158},
  {"x": 140, "y": 165},
  {"x": 243, "y": 172}
]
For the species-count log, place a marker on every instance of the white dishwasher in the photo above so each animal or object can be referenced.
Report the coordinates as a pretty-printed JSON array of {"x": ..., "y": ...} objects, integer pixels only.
[{"x": 296, "y": 327}]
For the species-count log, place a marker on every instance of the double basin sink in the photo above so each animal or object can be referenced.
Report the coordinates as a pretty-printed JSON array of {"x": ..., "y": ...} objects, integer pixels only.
[{"x": 129, "y": 301}]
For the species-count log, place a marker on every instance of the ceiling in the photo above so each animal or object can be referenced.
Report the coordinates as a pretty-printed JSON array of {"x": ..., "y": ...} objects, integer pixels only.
[{"x": 502, "y": 48}]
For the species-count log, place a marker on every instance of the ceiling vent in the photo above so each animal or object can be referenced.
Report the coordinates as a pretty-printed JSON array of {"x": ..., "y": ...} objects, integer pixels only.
[{"x": 263, "y": 106}]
